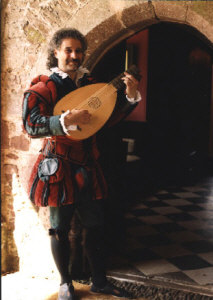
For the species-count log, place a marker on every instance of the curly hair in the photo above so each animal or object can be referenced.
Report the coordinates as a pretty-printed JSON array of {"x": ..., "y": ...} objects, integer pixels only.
[{"x": 56, "y": 41}]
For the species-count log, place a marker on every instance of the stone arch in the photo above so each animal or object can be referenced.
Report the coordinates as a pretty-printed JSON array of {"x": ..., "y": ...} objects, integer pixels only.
[
  {"x": 135, "y": 18},
  {"x": 194, "y": 17}
]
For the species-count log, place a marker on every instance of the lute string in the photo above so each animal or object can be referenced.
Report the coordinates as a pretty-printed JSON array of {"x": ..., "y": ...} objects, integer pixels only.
[
  {"x": 115, "y": 81},
  {"x": 117, "y": 84},
  {"x": 84, "y": 104}
]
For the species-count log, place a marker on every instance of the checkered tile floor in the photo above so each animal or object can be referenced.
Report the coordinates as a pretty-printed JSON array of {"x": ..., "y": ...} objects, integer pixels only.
[{"x": 170, "y": 236}]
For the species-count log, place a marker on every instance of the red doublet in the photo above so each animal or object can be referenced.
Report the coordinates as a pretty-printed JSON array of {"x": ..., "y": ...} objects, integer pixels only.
[{"x": 69, "y": 153}]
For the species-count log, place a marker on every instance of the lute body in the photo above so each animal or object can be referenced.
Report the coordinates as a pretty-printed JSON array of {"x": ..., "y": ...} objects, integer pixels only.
[{"x": 99, "y": 99}]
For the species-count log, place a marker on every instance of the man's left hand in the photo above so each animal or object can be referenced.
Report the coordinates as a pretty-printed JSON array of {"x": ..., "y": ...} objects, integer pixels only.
[{"x": 131, "y": 85}]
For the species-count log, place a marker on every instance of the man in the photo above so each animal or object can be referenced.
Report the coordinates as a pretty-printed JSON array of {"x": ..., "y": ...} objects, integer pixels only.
[{"x": 66, "y": 176}]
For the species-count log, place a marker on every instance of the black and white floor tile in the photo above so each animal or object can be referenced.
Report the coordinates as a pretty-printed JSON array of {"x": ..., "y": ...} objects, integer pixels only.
[{"x": 170, "y": 235}]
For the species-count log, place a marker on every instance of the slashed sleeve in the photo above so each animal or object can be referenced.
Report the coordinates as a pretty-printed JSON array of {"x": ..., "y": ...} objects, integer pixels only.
[{"x": 37, "y": 115}]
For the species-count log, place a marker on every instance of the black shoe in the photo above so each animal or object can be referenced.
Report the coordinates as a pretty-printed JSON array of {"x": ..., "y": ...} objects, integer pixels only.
[
  {"x": 111, "y": 289},
  {"x": 66, "y": 292}
]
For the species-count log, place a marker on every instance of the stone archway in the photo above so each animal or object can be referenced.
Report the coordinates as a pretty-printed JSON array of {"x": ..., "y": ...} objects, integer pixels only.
[
  {"x": 137, "y": 17},
  {"x": 134, "y": 18}
]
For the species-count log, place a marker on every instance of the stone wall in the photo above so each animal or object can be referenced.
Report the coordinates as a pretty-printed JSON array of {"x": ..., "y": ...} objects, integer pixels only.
[{"x": 27, "y": 26}]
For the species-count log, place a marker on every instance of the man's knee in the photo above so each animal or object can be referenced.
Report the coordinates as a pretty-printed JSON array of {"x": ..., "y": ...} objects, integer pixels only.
[{"x": 59, "y": 234}]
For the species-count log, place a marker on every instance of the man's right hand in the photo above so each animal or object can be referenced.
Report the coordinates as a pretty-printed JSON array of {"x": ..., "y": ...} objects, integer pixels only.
[{"x": 77, "y": 117}]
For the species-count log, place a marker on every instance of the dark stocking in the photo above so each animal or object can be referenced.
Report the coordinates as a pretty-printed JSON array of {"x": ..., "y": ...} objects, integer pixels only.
[
  {"x": 94, "y": 247},
  {"x": 61, "y": 254}
]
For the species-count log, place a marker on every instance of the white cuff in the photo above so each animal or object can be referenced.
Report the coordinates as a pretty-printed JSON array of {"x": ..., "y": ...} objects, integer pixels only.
[
  {"x": 70, "y": 127},
  {"x": 136, "y": 99}
]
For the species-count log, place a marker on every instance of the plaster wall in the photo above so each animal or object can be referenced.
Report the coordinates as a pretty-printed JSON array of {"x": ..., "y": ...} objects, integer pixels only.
[{"x": 27, "y": 26}]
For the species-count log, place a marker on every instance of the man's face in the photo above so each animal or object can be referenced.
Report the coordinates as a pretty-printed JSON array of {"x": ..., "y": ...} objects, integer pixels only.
[{"x": 70, "y": 55}]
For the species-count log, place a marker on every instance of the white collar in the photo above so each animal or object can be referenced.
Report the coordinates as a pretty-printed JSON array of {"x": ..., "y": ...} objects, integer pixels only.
[{"x": 80, "y": 73}]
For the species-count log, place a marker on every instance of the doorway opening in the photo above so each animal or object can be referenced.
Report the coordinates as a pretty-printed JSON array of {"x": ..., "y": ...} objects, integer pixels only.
[
  {"x": 179, "y": 99},
  {"x": 154, "y": 164},
  {"x": 171, "y": 139},
  {"x": 169, "y": 144}
]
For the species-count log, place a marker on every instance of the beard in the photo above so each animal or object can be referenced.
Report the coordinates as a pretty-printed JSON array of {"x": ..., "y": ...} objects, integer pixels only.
[{"x": 73, "y": 64}]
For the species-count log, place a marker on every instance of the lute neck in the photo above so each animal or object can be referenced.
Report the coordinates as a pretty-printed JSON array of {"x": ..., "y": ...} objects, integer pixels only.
[{"x": 118, "y": 82}]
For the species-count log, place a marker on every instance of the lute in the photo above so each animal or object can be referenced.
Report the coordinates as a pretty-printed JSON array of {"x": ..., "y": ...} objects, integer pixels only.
[{"x": 99, "y": 99}]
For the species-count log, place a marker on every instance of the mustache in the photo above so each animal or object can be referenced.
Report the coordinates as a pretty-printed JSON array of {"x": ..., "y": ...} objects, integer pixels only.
[{"x": 74, "y": 60}]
